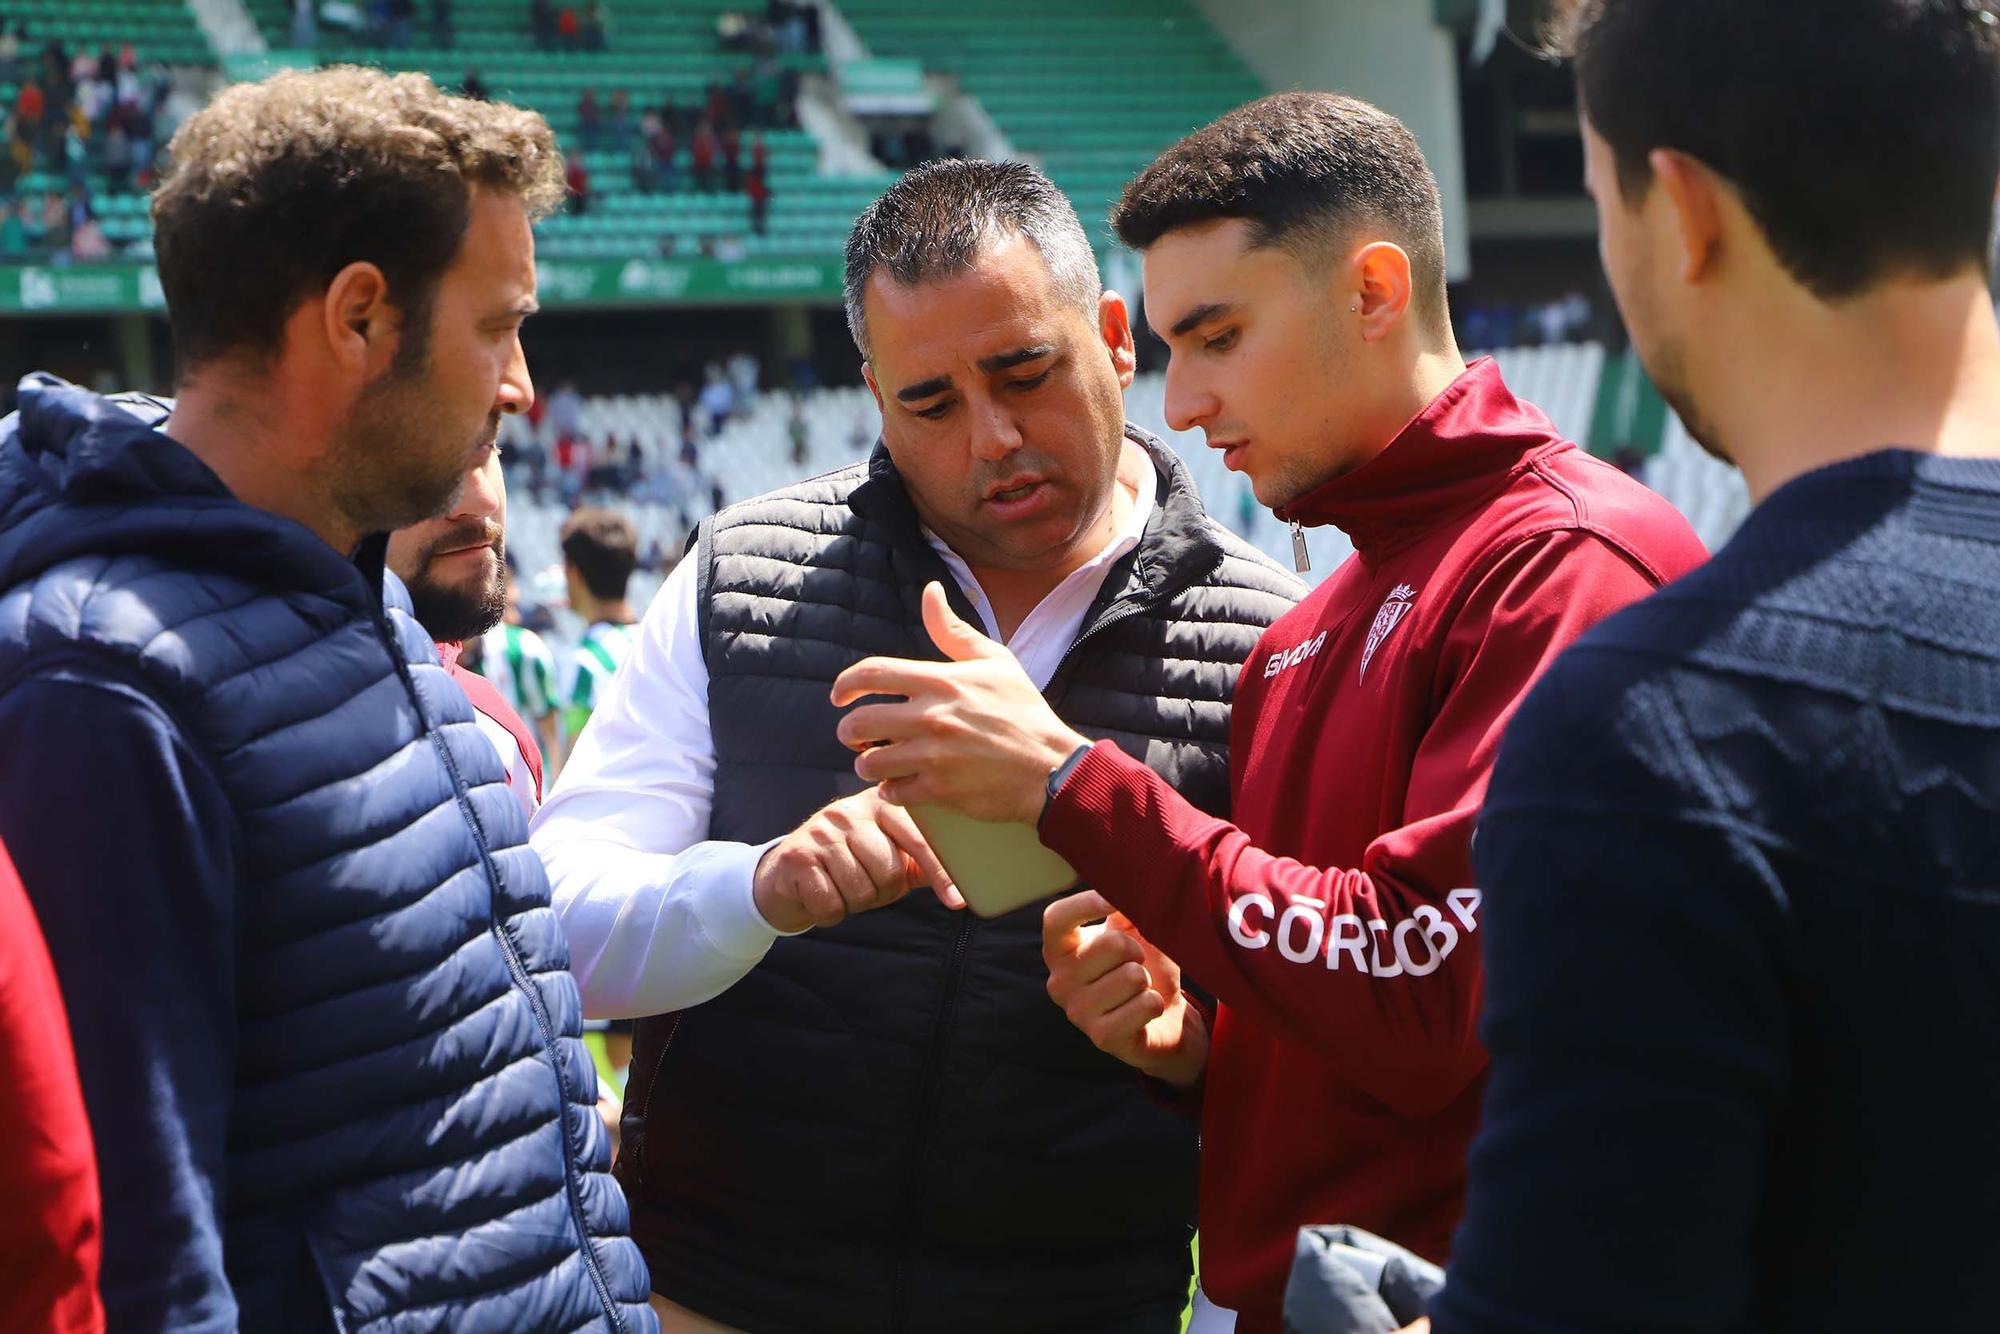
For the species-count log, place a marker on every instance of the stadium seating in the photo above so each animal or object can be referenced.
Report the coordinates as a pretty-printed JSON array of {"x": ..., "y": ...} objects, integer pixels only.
[
  {"x": 1092, "y": 91},
  {"x": 159, "y": 29},
  {"x": 655, "y": 53}
]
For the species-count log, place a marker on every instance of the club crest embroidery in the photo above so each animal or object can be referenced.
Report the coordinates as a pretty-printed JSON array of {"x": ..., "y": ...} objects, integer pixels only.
[{"x": 1387, "y": 619}]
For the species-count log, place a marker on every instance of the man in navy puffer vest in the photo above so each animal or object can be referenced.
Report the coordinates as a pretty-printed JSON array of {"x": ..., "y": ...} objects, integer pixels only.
[{"x": 324, "y": 1019}]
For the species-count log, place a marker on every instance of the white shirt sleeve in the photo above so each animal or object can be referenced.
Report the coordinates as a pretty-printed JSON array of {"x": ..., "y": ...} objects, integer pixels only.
[{"x": 657, "y": 918}]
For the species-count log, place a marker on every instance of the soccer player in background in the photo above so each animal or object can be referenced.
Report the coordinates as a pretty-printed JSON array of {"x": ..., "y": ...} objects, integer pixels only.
[{"x": 600, "y": 550}]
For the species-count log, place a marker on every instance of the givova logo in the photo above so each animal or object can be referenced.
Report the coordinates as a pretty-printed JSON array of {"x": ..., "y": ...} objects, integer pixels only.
[
  {"x": 1278, "y": 662},
  {"x": 1413, "y": 946}
]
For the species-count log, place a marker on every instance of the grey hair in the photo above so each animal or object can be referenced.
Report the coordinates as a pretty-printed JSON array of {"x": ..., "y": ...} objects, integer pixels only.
[{"x": 934, "y": 222}]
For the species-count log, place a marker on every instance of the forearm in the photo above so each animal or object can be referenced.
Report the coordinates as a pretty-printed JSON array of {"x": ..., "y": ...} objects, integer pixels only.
[
  {"x": 1353, "y": 964},
  {"x": 651, "y": 933}
]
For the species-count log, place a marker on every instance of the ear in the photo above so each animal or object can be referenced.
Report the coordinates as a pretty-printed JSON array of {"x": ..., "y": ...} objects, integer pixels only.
[
  {"x": 1693, "y": 196},
  {"x": 1382, "y": 288},
  {"x": 1114, "y": 326},
  {"x": 868, "y": 375},
  {"x": 359, "y": 322}
]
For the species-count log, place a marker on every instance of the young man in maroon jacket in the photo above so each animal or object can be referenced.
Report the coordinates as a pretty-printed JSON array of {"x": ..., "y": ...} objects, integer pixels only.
[{"x": 1294, "y": 263}]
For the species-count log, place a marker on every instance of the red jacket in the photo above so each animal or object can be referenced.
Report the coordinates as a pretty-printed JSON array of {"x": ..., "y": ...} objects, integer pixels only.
[
  {"x": 51, "y": 1221},
  {"x": 487, "y": 699},
  {"x": 1336, "y": 922}
]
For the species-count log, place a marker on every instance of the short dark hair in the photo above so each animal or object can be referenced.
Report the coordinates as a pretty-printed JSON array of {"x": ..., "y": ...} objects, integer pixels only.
[
  {"x": 1303, "y": 169},
  {"x": 1862, "y": 135},
  {"x": 935, "y": 221},
  {"x": 604, "y": 547},
  {"x": 276, "y": 186}
]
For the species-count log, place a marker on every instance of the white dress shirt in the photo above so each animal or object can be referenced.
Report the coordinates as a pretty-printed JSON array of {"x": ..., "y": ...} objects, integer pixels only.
[{"x": 659, "y": 918}]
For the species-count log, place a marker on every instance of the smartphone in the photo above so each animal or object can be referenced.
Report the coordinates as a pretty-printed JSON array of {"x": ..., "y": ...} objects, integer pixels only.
[{"x": 997, "y": 865}]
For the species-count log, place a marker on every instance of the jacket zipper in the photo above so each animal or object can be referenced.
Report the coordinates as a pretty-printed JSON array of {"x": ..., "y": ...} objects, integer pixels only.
[
  {"x": 573, "y": 1187},
  {"x": 652, "y": 1090},
  {"x": 899, "y": 1306},
  {"x": 899, "y": 1312}
]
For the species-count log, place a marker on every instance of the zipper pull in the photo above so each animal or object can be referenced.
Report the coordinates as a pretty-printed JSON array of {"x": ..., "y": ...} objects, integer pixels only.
[{"x": 1301, "y": 561}]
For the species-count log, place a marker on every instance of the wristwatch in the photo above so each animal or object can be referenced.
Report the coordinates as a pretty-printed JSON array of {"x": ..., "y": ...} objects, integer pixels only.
[{"x": 1062, "y": 773}]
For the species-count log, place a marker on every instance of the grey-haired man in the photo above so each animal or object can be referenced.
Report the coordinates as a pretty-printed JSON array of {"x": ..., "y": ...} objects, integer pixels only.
[{"x": 879, "y": 1122}]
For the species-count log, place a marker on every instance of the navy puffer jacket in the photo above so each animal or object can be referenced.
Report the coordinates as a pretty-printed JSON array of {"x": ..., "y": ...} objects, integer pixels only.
[{"x": 411, "y": 1141}]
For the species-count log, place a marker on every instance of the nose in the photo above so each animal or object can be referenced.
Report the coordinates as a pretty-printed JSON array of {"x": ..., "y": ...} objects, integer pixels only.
[
  {"x": 1188, "y": 403},
  {"x": 995, "y": 433},
  {"x": 517, "y": 388},
  {"x": 480, "y": 497}
]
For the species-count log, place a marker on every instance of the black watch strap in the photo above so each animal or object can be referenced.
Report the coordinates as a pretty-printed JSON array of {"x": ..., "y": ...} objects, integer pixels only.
[{"x": 1062, "y": 773}]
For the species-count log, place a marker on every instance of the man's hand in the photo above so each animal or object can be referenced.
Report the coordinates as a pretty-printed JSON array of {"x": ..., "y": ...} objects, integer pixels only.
[
  {"x": 1124, "y": 994},
  {"x": 856, "y": 854},
  {"x": 972, "y": 733}
]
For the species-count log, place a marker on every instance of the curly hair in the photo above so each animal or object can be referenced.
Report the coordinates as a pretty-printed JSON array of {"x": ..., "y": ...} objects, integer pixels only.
[{"x": 274, "y": 187}]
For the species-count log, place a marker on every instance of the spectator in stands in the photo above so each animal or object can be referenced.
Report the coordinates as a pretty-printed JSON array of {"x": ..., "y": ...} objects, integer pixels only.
[
  {"x": 577, "y": 178},
  {"x": 732, "y": 160},
  {"x": 565, "y": 410},
  {"x": 30, "y": 102},
  {"x": 569, "y": 28},
  {"x": 55, "y": 223},
  {"x": 51, "y": 1221},
  {"x": 600, "y": 549},
  {"x": 589, "y": 120},
  {"x": 10, "y": 51},
  {"x": 305, "y": 24},
  {"x": 141, "y": 125},
  {"x": 444, "y": 32},
  {"x": 117, "y": 158},
  {"x": 716, "y": 105},
  {"x": 473, "y": 86},
  {"x": 1011, "y": 1211},
  {"x": 618, "y": 127},
  {"x": 800, "y": 433},
  {"x": 87, "y": 241},
  {"x": 17, "y": 155},
  {"x": 75, "y": 157},
  {"x": 701, "y": 156},
  {"x": 746, "y": 374},
  {"x": 596, "y": 29},
  {"x": 236, "y": 844},
  {"x": 643, "y": 154},
  {"x": 542, "y": 24},
  {"x": 759, "y": 191},
  {"x": 718, "y": 397},
  {"x": 455, "y": 568}
]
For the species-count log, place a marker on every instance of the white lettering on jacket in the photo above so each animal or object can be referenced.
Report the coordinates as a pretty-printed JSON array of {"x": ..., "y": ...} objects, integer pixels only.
[
  {"x": 1413, "y": 946},
  {"x": 1292, "y": 657}
]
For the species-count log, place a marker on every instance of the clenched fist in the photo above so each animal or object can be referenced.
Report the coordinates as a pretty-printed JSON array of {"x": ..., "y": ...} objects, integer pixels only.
[{"x": 1124, "y": 994}]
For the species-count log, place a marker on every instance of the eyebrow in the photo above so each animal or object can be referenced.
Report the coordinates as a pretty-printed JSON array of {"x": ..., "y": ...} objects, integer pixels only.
[
  {"x": 1200, "y": 315},
  {"x": 1002, "y": 361},
  {"x": 937, "y": 384},
  {"x": 999, "y": 361}
]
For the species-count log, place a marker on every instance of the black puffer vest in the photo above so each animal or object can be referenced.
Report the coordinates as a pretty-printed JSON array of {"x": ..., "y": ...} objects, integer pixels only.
[{"x": 887, "y": 1126}]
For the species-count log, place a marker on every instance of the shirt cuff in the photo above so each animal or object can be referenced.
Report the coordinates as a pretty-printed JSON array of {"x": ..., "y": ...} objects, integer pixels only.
[{"x": 726, "y": 907}]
